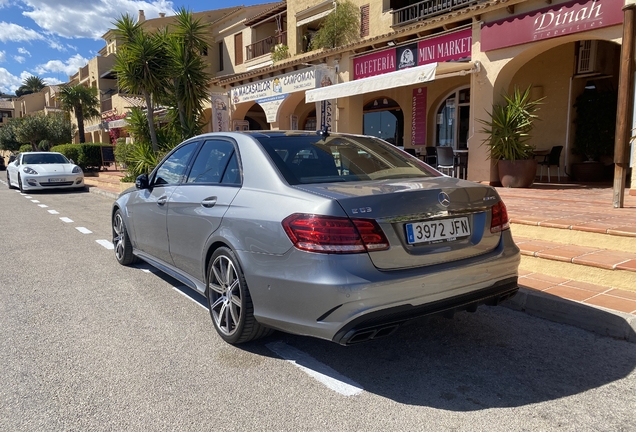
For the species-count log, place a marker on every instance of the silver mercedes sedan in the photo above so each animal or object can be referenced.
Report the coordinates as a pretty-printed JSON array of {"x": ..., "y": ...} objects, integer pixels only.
[{"x": 341, "y": 237}]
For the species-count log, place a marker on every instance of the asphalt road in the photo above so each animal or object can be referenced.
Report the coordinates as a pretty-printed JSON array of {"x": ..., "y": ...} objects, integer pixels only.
[{"x": 87, "y": 344}]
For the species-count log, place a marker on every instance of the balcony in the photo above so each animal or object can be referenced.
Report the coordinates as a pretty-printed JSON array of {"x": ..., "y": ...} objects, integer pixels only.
[
  {"x": 426, "y": 9},
  {"x": 264, "y": 46}
]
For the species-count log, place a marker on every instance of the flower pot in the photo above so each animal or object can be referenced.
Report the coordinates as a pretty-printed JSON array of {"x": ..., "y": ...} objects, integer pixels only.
[
  {"x": 517, "y": 174},
  {"x": 588, "y": 171}
]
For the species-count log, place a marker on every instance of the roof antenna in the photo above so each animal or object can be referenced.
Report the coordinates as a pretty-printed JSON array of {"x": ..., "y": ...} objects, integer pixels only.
[{"x": 324, "y": 132}]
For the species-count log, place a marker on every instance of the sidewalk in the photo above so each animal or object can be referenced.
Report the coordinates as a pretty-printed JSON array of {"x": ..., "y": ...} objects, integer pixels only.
[
  {"x": 582, "y": 252},
  {"x": 574, "y": 229}
]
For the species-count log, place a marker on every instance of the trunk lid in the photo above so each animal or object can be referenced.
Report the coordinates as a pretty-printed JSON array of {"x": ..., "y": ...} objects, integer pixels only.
[{"x": 420, "y": 216}]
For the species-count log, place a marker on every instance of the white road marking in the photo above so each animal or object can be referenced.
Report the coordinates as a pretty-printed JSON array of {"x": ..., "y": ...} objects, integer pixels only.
[
  {"x": 42, "y": 205},
  {"x": 188, "y": 297},
  {"x": 65, "y": 219},
  {"x": 35, "y": 201},
  {"x": 319, "y": 371},
  {"x": 53, "y": 211},
  {"x": 108, "y": 245},
  {"x": 84, "y": 230},
  {"x": 27, "y": 196}
]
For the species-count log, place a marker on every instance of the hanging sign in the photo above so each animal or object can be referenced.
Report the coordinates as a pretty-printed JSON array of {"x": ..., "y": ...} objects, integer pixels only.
[
  {"x": 220, "y": 113},
  {"x": 418, "y": 119}
]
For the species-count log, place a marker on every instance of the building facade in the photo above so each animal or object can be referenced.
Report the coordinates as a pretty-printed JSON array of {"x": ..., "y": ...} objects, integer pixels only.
[{"x": 424, "y": 73}]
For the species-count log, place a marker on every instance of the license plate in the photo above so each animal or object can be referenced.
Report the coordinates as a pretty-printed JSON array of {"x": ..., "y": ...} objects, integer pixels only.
[
  {"x": 56, "y": 180},
  {"x": 437, "y": 231}
]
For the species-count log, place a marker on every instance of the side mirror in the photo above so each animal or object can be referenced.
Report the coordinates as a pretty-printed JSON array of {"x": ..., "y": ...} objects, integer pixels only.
[
  {"x": 72, "y": 161},
  {"x": 142, "y": 181}
]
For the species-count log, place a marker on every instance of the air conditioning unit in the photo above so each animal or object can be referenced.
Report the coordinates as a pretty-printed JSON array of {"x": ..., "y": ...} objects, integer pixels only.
[
  {"x": 595, "y": 57},
  {"x": 587, "y": 57}
]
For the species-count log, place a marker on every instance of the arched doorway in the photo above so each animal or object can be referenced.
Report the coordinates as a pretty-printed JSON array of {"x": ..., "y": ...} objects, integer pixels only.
[
  {"x": 256, "y": 118},
  {"x": 452, "y": 120},
  {"x": 383, "y": 118}
]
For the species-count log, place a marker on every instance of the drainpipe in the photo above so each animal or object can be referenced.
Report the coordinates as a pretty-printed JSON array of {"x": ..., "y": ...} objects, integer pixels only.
[{"x": 625, "y": 107}]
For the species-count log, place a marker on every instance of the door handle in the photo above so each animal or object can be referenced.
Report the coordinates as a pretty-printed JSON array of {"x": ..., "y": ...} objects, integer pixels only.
[
  {"x": 209, "y": 202},
  {"x": 162, "y": 200}
]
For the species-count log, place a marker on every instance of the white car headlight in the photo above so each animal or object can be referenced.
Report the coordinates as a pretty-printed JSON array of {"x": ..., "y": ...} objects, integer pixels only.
[
  {"x": 76, "y": 170},
  {"x": 29, "y": 170}
]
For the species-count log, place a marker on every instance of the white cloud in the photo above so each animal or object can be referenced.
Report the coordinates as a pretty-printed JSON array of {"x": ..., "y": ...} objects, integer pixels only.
[
  {"x": 69, "y": 67},
  {"x": 3, "y": 56},
  {"x": 19, "y": 59},
  {"x": 90, "y": 20},
  {"x": 14, "y": 33},
  {"x": 24, "y": 51},
  {"x": 8, "y": 83}
]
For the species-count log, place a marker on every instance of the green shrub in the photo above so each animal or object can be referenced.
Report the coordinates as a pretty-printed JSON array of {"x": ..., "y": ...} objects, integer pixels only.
[
  {"x": 122, "y": 152},
  {"x": 71, "y": 151},
  {"x": 25, "y": 148},
  {"x": 88, "y": 155}
]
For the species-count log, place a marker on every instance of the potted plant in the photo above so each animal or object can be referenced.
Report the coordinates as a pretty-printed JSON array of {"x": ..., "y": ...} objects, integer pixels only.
[
  {"x": 595, "y": 130},
  {"x": 508, "y": 131}
]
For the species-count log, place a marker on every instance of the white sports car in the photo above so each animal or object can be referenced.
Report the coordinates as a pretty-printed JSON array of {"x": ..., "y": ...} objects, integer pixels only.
[{"x": 44, "y": 170}]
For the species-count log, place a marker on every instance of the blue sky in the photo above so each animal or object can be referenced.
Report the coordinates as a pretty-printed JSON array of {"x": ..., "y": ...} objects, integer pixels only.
[{"x": 52, "y": 39}]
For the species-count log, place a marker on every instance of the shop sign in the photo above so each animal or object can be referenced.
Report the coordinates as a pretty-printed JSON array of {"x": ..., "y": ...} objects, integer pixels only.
[
  {"x": 448, "y": 47},
  {"x": 550, "y": 22},
  {"x": 418, "y": 119},
  {"x": 304, "y": 79},
  {"x": 271, "y": 93}
]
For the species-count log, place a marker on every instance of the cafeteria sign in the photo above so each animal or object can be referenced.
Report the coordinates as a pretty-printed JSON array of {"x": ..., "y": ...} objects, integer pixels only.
[{"x": 270, "y": 93}]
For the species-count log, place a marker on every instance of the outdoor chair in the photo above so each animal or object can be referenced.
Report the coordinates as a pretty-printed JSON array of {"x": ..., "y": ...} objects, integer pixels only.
[
  {"x": 446, "y": 160},
  {"x": 431, "y": 156},
  {"x": 552, "y": 159}
]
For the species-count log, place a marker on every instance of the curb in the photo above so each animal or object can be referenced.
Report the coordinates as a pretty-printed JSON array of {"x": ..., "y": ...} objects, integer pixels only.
[
  {"x": 599, "y": 320},
  {"x": 102, "y": 192}
]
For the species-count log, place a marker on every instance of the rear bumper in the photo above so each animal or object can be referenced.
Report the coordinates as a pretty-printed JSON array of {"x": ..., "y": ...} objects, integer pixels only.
[
  {"x": 384, "y": 322},
  {"x": 338, "y": 297}
]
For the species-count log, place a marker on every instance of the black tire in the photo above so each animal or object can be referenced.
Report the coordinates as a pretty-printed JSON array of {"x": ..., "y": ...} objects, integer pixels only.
[
  {"x": 229, "y": 300},
  {"x": 9, "y": 182},
  {"x": 20, "y": 183},
  {"x": 121, "y": 242}
]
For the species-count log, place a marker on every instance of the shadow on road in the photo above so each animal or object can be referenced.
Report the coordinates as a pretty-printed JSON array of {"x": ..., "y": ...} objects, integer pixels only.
[{"x": 494, "y": 358}]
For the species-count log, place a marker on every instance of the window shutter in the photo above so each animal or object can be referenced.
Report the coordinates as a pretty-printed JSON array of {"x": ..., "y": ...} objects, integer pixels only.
[
  {"x": 238, "y": 48},
  {"x": 364, "y": 20}
]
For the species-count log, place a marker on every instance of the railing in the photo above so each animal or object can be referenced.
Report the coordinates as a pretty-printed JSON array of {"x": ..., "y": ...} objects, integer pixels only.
[
  {"x": 83, "y": 73},
  {"x": 264, "y": 46},
  {"x": 427, "y": 9}
]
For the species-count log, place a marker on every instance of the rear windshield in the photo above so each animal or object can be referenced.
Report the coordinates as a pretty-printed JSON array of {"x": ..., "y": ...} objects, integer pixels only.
[
  {"x": 44, "y": 158},
  {"x": 312, "y": 159}
]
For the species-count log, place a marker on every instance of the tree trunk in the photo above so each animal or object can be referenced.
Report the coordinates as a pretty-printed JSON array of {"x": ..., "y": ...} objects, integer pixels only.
[
  {"x": 79, "y": 115},
  {"x": 150, "y": 114}
]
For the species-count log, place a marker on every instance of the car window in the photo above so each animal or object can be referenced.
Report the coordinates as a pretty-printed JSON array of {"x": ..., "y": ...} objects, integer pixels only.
[
  {"x": 232, "y": 173},
  {"x": 305, "y": 159},
  {"x": 172, "y": 169},
  {"x": 44, "y": 158},
  {"x": 211, "y": 162}
]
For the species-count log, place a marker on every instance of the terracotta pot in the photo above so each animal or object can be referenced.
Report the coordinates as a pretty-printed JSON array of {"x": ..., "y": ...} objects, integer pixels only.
[{"x": 517, "y": 174}]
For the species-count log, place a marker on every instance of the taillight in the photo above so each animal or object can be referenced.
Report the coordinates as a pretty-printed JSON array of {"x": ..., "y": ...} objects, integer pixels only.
[
  {"x": 329, "y": 234},
  {"x": 499, "y": 220}
]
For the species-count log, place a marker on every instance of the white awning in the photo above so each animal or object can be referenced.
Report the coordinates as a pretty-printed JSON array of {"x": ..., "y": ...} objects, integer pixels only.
[{"x": 406, "y": 77}]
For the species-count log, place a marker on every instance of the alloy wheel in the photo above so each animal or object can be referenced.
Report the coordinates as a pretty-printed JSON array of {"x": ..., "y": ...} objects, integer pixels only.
[
  {"x": 225, "y": 295},
  {"x": 119, "y": 237}
]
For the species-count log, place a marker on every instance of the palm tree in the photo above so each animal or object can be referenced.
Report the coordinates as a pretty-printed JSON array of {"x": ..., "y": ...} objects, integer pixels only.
[
  {"x": 188, "y": 71},
  {"x": 82, "y": 101},
  {"x": 142, "y": 66},
  {"x": 32, "y": 84}
]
